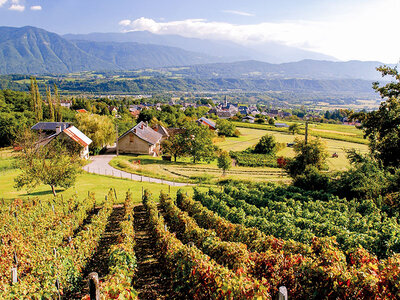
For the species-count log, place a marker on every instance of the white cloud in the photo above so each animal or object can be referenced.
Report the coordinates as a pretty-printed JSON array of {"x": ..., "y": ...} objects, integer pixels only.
[
  {"x": 2, "y": 2},
  {"x": 36, "y": 7},
  {"x": 17, "y": 7},
  {"x": 125, "y": 22},
  {"x": 237, "y": 12},
  {"x": 366, "y": 32}
]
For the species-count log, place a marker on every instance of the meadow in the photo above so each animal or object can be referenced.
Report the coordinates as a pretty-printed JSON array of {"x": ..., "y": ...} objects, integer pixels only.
[{"x": 250, "y": 136}]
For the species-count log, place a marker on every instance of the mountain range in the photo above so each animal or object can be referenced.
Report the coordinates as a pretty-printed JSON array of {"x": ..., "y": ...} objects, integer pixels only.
[{"x": 30, "y": 50}]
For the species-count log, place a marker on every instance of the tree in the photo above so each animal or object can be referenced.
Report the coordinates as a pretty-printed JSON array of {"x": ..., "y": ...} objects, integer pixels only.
[
  {"x": 36, "y": 100},
  {"x": 266, "y": 145},
  {"x": 294, "y": 128},
  {"x": 56, "y": 164},
  {"x": 175, "y": 145},
  {"x": 271, "y": 121},
  {"x": 311, "y": 153},
  {"x": 57, "y": 112},
  {"x": 100, "y": 129},
  {"x": 224, "y": 162},
  {"x": 382, "y": 127},
  {"x": 50, "y": 104},
  {"x": 199, "y": 142},
  {"x": 226, "y": 128}
]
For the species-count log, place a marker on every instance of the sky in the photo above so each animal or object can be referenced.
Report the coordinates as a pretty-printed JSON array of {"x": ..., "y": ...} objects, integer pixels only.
[{"x": 345, "y": 29}]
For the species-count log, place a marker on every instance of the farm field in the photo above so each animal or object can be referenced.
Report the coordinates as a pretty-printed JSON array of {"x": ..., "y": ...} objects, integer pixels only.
[
  {"x": 250, "y": 136},
  {"x": 330, "y": 131},
  {"x": 185, "y": 171}
]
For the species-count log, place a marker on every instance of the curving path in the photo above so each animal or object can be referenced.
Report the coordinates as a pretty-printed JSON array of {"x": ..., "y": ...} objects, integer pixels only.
[{"x": 99, "y": 165}]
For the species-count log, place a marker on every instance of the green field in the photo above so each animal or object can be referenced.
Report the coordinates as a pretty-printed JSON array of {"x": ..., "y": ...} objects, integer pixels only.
[
  {"x": 250, "y": 137},
  {"x": 330, "y": 131},
  {"x": 85, "y": 182}
]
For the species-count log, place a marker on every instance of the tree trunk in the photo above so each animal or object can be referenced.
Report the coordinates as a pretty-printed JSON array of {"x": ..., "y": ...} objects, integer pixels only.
[
  {"x": 175, "y": 157},
  {"x": 53, "y": 189}
]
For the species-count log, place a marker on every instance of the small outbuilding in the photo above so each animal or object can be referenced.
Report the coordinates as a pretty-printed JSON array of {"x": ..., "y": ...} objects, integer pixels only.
[{"x": 207, "y": 122}]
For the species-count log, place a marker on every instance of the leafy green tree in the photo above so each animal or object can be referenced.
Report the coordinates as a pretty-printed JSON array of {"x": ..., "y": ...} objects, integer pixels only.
[
  {"x": 56, "y": 164},
  {"x": 199, "y": 142},
  {"x": 382, "y": 127},
  {"x": 224, "y": 162},
  {"x": 175, "y": 146},
  {"x": 366, "y": 178},
  {"x": 226, "y": 128},
  {"x": 100, "y": 129},
  {"x": 313, "y": 153},
  {"x": 271, "y": 121},
  {"x": 266, "y": 145},
  {"x": 294, "y": 128}
]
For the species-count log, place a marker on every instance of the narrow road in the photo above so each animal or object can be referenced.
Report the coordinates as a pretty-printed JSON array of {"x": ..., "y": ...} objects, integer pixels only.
[{"x": 99, "y": 165}]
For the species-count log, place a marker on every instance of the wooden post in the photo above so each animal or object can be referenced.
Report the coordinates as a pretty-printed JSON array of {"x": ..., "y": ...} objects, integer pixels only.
[
  {"x": 14, "y": 275},
  {"x": 57, "y": 284},
  {"x": 94, "y": 290},
  {"x": 15, "y": 259},
  {"x": 283, "y": 294}
]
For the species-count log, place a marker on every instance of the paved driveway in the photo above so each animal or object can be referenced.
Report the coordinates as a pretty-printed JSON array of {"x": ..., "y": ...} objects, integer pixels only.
[{"x": 99, "y": 165}]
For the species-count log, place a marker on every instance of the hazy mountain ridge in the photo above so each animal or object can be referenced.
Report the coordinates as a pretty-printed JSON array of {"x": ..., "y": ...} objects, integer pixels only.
[
  {"x": 130, "y": 55},
  {"x": 225, "y": 50}
]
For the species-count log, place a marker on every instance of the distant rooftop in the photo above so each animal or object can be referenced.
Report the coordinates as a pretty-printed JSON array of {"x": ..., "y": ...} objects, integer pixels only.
[{"x": 50, "y": 126}]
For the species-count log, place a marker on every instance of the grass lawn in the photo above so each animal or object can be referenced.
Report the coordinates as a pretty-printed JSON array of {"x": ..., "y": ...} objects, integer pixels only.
[
  {"x": 98, "y": 184},
  {"x": 185, "y": 171},
  {"x": 250, "y": 137}
]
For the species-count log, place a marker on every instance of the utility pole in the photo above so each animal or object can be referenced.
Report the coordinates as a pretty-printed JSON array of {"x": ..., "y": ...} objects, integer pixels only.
[{"x": 306, "y": 133}]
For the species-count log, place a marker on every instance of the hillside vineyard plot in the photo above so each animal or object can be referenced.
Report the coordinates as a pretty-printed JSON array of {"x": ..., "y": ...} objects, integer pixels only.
[
  {"x": 291, "y": 213},
  {"x": 317, "y": 270},
  {"x": 49, "y": 243}
]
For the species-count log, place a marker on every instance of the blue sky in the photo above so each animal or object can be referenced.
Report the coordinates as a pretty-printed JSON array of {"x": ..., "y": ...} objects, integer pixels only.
[{"x": 351, "y": 29}]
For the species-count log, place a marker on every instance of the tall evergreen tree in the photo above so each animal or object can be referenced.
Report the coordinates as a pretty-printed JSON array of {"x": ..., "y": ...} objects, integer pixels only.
[
  {"x": 58, "y": 115},
  {"x": 36, "y": 100},
  {"x": 50, "y": 104}
]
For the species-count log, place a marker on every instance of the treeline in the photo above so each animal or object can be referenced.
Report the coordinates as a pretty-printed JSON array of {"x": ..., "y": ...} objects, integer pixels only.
[{"x": 163, "y": 84}]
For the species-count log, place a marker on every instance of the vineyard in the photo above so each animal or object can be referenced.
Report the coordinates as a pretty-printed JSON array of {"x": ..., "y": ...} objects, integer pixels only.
[
  {"x": 237, "y": 242},
  {"x": 45, "y": 247}
]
